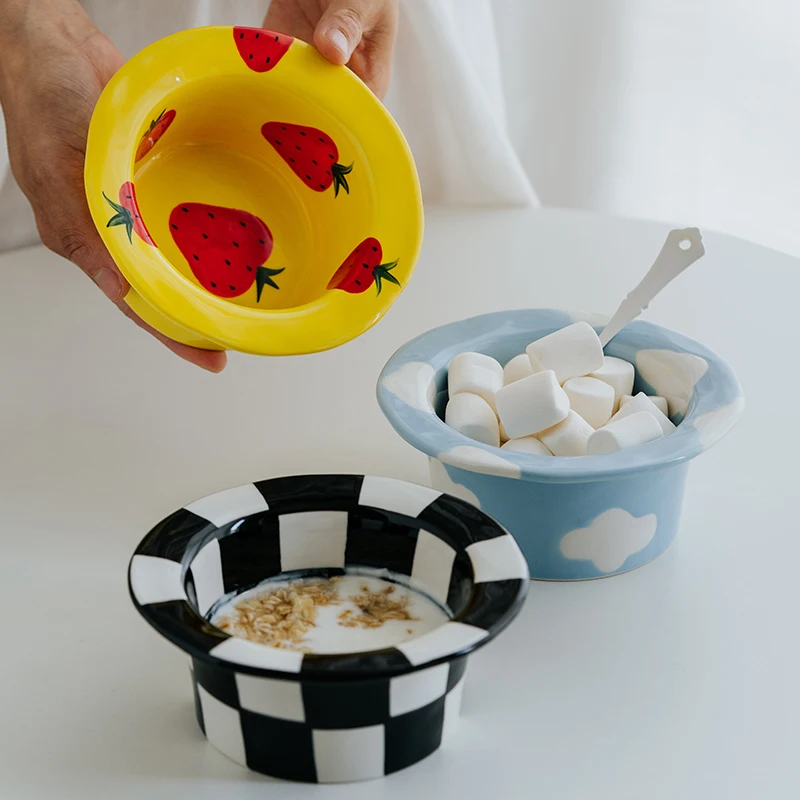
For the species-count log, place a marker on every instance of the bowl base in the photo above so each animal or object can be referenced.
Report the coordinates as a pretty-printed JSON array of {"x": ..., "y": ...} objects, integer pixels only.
[{"x": 234, "y": 714}]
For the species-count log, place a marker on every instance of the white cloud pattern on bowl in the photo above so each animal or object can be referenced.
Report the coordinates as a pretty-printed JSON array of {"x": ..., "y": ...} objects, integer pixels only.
[
  {"x": 414, "y": 384},
  {"x": 611, "y": 539},
  {"x": 441, "y": 480},
  {"x": 715, "y": 424},
  {"x": 475, "y": 459},
  {"x": 673, "y": 375}
]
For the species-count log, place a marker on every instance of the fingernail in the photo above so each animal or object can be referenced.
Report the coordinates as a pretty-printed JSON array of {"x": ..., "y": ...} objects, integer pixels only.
[
  {"x": 109, "y": 284},
  {"x": 339, "y": 41}
]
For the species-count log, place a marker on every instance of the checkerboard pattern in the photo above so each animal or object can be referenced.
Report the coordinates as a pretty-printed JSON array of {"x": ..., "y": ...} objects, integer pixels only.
[
  {"x": 327, "y": 731},
  {"x": 307, "y": 716}
]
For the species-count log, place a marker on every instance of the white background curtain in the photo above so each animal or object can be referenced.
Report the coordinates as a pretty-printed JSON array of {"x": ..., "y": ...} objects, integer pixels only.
[
  {"x": 678, "y": 110},
  {"x": 687, "y": 111}
]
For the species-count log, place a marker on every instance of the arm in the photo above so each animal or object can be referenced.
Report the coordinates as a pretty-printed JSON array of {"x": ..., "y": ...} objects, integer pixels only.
[{"x": 53, "y": 65}]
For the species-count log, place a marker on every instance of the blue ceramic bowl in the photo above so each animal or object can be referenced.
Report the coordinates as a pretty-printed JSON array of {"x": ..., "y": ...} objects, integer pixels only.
[{"x": 574, "y": 518}]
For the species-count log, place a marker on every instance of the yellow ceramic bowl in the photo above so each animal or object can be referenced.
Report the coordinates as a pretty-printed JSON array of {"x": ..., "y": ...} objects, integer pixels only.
[{"x": 256, "y": 197}]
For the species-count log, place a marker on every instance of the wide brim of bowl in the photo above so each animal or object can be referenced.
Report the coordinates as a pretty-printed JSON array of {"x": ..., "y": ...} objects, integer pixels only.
[
  {"x": 122, "y": 117},
  {"x": 701, "y": 386},
  {"x": 161, "y": 568}
]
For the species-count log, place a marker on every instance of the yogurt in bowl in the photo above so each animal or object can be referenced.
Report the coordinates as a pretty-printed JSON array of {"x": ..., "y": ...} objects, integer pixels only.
[{"x": 349, "y": 613}]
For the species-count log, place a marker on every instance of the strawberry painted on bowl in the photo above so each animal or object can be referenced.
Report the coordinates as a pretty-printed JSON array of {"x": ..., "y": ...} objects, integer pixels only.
[{"x": 260, "y": 200}]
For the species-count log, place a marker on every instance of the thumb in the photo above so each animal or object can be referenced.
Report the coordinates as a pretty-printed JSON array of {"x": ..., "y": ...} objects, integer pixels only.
[{"x": 340, "y": 29}]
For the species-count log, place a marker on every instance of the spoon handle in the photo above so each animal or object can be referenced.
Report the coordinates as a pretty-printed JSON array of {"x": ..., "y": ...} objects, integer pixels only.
[{"x": 681, "y": 249}]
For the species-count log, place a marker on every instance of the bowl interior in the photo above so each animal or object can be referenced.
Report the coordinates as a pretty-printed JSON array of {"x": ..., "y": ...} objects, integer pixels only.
[
  {"x": 503, "y": 350},
  {"x": 214, "y": 153},
  {"x": 328, "y": 543},
  {"x": 312, "y": 526},
  {"x": 704, "y": 396}
]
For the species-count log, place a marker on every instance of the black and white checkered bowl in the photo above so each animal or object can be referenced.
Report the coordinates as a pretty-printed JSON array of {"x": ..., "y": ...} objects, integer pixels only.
[{"x": 327, "y": 718}]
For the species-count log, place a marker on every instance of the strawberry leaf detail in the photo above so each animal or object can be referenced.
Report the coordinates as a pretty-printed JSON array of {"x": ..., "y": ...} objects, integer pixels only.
[
  {"x": 155, "y": 121},
  {"x": 117, "y": 219},
  {"x": 339, "y": 180},
  {"x": 116, "y": 206},
  {"x": 122, "y": 217},
  {"x": 264, "y": 276},
  {"x": 383, "y": 272}
]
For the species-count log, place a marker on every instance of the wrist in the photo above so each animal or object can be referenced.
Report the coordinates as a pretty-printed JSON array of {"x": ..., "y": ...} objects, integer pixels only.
[
  {"x": 12, "y": 17},
  {"x": 20, "y": 18},
  {"x": 27, "y": 26}
]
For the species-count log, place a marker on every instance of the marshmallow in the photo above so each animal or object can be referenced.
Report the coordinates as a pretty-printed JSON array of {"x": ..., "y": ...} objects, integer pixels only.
[
  {"x": 619, "y": 375},
  {"x": 528, "y": 444},
  {"x": 472, "y": 416},
  {"x": 628, "y": 431},
  {"x": 519, "y": 367},
  {"x": 475, "y": 373},
  {"x": 641, "y": 402},
  {"x": 659, "y": 402},
  {"x": 532, "y": 404},
  {"x": 569, "y": 437},
  {"x": 592, "y": 399},
  {"x": 570, "y": 352}
]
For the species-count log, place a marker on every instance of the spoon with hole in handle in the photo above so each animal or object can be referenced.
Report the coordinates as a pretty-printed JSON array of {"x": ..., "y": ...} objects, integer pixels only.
[{"x": 681, "y": 249}]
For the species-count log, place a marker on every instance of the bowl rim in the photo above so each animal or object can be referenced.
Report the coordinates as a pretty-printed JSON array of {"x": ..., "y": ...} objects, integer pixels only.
[
  {"x": 427, "y": 432},
  {"x": 164, "y": 556},
  {"x": 109, "y": 164}
]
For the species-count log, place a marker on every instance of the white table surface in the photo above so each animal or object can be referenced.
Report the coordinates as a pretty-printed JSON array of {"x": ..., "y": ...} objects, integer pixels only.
[{"x": 676, "y": 680}]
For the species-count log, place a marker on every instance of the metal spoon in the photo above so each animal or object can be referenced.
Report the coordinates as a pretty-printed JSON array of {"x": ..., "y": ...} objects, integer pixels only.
[{"x": 681, "y": 249}]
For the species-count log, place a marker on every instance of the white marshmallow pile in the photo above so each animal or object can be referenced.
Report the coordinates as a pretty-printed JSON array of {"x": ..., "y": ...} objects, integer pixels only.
[{"x": 562, "y": 397}]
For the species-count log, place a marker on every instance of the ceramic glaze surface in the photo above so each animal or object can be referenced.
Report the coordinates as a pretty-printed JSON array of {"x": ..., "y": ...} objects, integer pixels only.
[
  {"x": 263, "y": 200},
  {"x": 333, "y": 716},
  {"x": 574, "y": 518}
]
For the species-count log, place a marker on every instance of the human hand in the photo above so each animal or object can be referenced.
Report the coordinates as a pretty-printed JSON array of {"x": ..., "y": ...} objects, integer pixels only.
[
  {"x": 53, "y": 65},
  {"x": 359, "y": 33}
]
